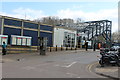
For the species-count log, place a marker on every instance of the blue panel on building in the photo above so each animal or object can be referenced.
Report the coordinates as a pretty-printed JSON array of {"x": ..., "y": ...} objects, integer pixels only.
[
  {"x": 33, "y": 34},
  {"x": 11, "y": 31},
  {"x": 46, "y": 27},
  {"x": 0, "y": 24},
  {"x": 30, "y": 25},
  {"x": 49, "y": 37},
  {"x": 12, "y": 22}
]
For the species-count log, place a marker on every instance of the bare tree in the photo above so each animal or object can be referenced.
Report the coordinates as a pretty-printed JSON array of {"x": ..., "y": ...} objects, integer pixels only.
[
  {"x": 56, "y": 21},
  {"x": 116, "y": 37},
  {"x": 51, "y": 20}
]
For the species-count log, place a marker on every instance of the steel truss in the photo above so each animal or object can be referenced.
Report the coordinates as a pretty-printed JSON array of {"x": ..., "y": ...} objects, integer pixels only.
[{"x": 99, "y": 28}]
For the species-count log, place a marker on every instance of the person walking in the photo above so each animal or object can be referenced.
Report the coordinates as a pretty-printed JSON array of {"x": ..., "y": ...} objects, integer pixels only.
[
  {"x": 4, "y": 48},
  {"x": 99, "y": 45}
]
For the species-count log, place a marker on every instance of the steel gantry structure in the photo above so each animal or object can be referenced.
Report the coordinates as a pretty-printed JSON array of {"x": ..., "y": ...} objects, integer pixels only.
[{"x": 93, "y": 29}]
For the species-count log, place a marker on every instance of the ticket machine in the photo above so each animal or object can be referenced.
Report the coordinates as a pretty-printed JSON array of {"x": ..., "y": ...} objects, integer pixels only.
[{"x": 42, "y": 41}]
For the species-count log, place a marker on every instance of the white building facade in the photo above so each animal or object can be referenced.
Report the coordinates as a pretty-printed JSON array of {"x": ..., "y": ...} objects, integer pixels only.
[{"x": 64, "y": 37}]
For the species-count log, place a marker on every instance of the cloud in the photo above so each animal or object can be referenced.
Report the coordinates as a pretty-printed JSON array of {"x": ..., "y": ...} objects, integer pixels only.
[
  {"x": 109, "y": 14},
  {"x": 25, "y": 13},
  {"x": 31, "y": 14}
]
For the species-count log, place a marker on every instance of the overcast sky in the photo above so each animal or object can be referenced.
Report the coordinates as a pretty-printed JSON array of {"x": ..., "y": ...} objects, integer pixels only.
[{"x": 86, "y": 10}]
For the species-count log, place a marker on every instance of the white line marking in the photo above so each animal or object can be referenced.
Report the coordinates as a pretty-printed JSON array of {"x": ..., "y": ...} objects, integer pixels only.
[
  {"x": 28, "y": 68},
  {"x": 78, "y": 77},
  {"x": 71, "y": 74},
  {"x": 69, "y": 65}
]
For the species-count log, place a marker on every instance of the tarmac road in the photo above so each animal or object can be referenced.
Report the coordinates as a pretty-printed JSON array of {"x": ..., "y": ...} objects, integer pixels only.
[{"x": 62, "y": 64}]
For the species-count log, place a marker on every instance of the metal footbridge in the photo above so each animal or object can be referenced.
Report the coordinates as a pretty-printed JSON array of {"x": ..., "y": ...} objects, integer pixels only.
[{"x": 95, "y": 29}]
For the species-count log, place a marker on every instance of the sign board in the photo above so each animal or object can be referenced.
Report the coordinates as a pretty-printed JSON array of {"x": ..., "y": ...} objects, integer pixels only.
[
  {"x": 14, "y": 41},
  {"x": 21, "y": 40},
  {"x": 28, "y": 41},
  {"x": 3, "y": 38}
]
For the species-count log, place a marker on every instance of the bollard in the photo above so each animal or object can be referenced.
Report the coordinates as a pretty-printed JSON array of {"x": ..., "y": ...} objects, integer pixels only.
[
  {"x": 71, "y": 48},
  {"x": 76, "y": 47},
  {"x": 61, "y": 48},
  {"x": 66, "y": 48},
  {"x": 50, "y": 49},
  {"x": 56, "y": 47}
]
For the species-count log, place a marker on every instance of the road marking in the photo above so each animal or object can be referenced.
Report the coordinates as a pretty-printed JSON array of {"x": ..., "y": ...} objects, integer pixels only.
[
  {"x": 28, "y": 68},
  {"x": 78, "y": 77},
  {"x": 72, "y": 74},
  {"x": 89, "y": 68},
  {"x": 42, "y": 64},
  {"x": 66, "y": 66},
  {"x": 57, "y": 65},
  {"x": 69, "y": 65}
]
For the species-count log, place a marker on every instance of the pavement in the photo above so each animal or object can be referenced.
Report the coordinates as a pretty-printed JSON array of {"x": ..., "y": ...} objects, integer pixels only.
[
  {"x": 26, "y": 56},
  {"x": 106, "y": 71},
  {"x": 60, "y": 64}
]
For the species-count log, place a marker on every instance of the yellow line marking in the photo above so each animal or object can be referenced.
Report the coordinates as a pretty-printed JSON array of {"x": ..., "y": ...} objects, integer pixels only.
[{"x": 89, "y": 68}]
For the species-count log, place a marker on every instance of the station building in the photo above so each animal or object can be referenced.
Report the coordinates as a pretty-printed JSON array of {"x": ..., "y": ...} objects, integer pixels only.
[
  {"x": 21, "y": 29},
  {"x": 65, "y": 37},
  {"x": 22, "y": 32}
]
